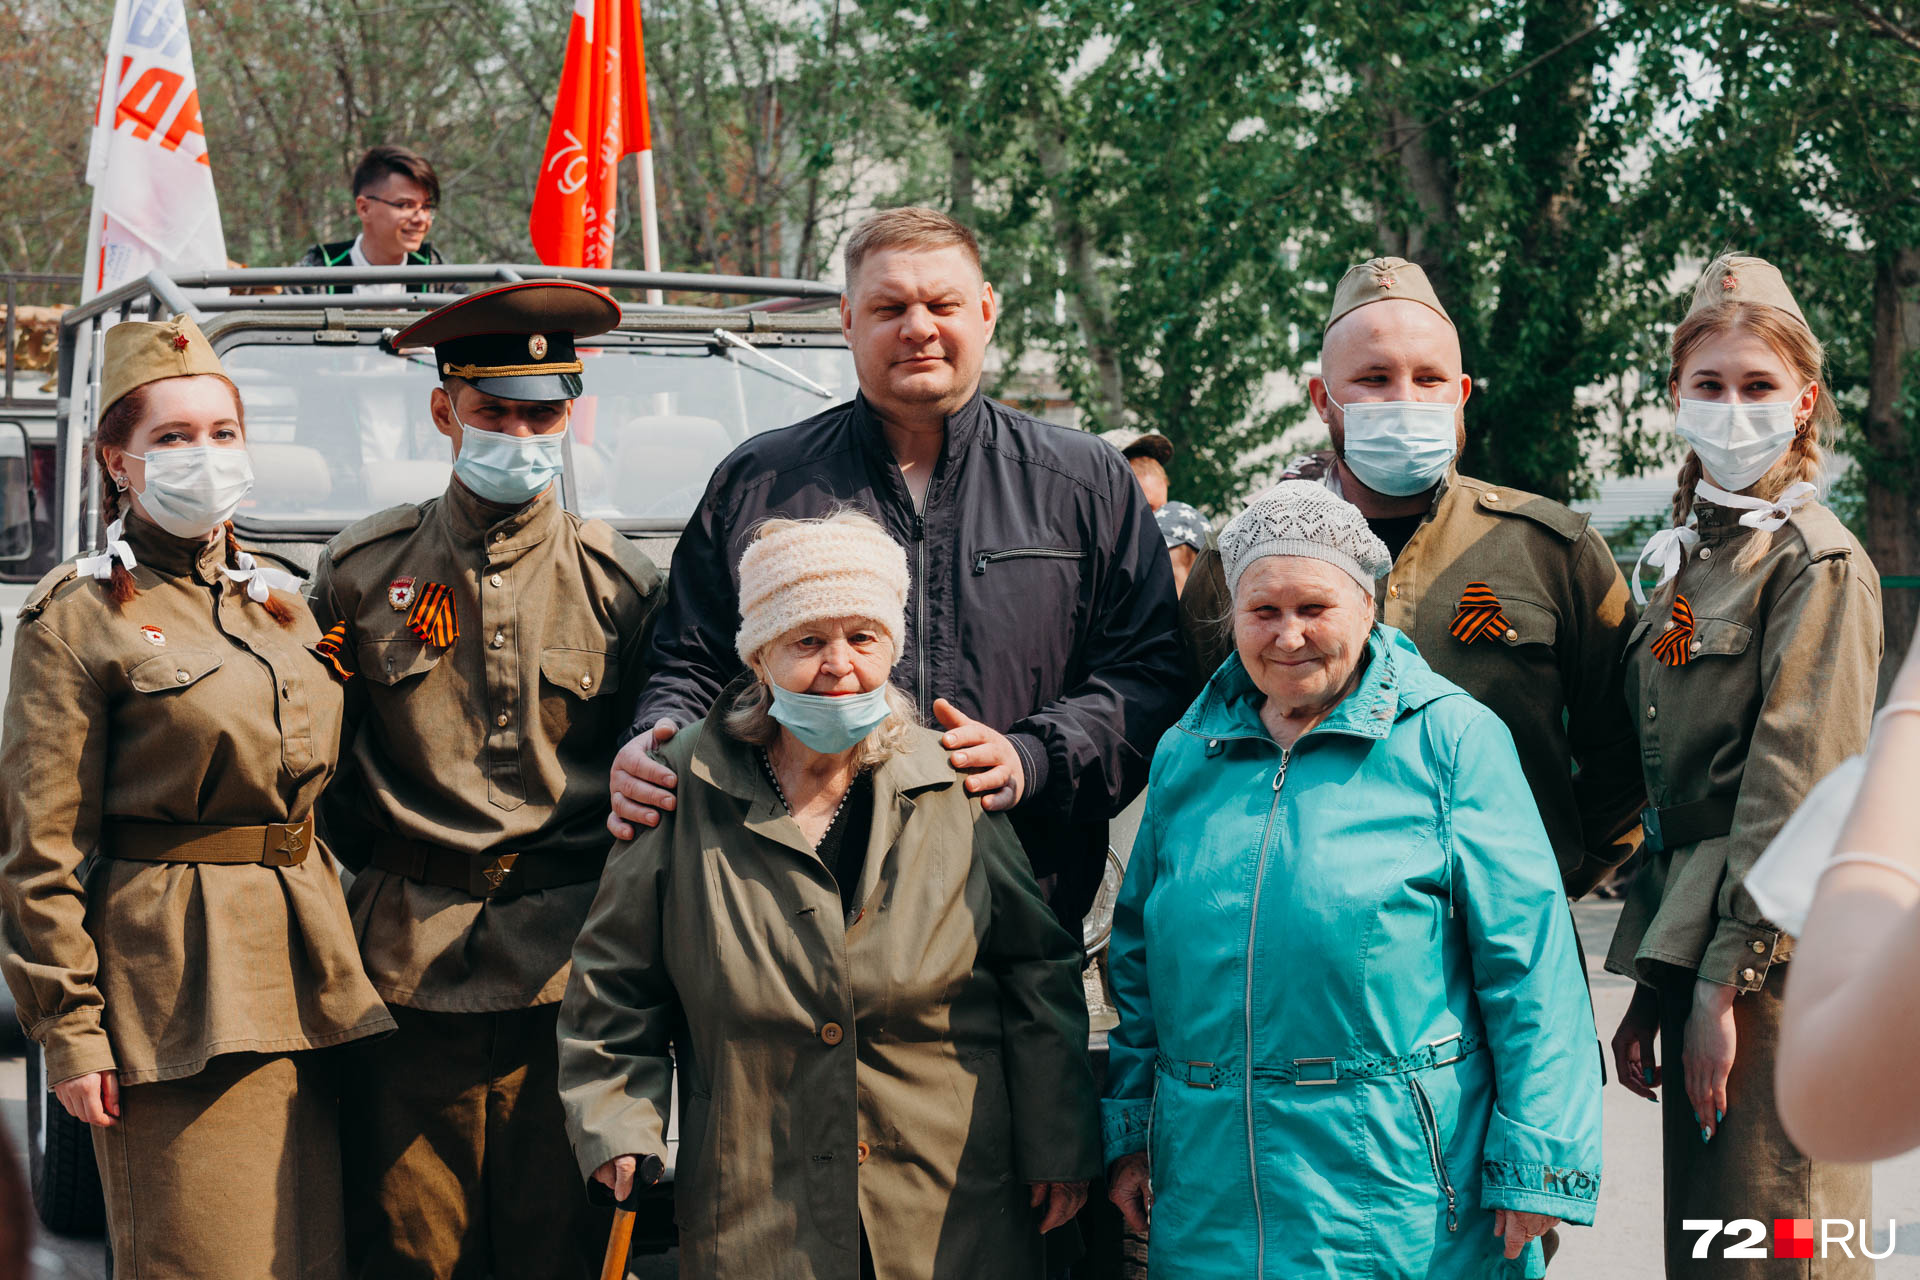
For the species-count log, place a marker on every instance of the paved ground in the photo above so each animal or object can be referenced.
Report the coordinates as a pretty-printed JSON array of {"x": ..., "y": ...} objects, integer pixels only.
[{"x": 1625, "y": 1247}]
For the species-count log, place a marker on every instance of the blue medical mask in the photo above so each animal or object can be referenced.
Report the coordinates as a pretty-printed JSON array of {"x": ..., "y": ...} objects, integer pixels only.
[
  {"x": 830, "y": 725},
  {"x": 1398, "y": 447},
  {"x": 509, "y": 470}
]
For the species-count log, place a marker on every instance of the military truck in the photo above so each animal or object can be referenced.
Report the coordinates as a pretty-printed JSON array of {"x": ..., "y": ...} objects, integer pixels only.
[{"x": 337, "y": 428}]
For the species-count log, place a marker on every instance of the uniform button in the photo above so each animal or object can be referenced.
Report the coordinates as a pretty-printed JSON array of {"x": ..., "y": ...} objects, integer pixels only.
[
  {"x": 182, "y": 676},
  {"x": 1759, "y": 947},
  {"x": 1493, "y": 495},
  {"x": 1748, "y": 975},
  {"x": 1512, "y": 635},
  {"x": 501, "y": 719},
  {"x": 1706, "y": 553},
  {"x": 832, "y": 1034},
  {"x": 1670, "y": 625},
  {"x": 1394, "y": 592},
  {"x": 1694, "y": 647},
  {"x": 1653, "y": 713},
  {"x": 494, "y": 580},
  {"x": 499, "y": 638},
  {"x": 499, "y": 537},
  {"x": 586, "y": 682},
  {"x": 861, "y": 1151}
]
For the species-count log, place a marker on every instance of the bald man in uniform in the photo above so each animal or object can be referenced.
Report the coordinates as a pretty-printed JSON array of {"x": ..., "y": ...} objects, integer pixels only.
[{"x": 1510, "y": 595}]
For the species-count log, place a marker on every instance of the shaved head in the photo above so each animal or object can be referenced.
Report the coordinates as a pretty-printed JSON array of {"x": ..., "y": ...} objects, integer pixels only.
[{"x": 1399, "y": 326}]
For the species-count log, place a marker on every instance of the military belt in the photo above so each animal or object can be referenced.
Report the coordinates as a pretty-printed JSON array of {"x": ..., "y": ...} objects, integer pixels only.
[
  {"x": 1685, "y": 824},
  {"x": 497, "y": 873},
  {"x": 1322, "y": 1071},
  {"x": 277, "y": 844}
]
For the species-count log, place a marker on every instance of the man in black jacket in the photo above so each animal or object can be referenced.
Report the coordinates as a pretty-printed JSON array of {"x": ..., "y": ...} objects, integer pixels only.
[{"x": 1042, "y": 616}]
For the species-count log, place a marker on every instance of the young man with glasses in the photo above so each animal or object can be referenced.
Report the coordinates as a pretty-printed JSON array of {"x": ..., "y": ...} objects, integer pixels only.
[{"x": 396, "y": 193}]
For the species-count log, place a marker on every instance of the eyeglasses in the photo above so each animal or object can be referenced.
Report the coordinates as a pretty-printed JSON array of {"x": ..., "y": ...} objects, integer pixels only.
[{"x": 407, "y": 207}]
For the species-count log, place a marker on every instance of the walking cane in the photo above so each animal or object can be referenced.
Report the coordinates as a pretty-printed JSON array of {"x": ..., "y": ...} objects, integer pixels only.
[{"x": 620, "y": 1239}]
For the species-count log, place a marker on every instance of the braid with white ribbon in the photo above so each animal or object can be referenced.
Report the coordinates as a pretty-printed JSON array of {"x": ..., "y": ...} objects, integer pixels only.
[
  {"x": 100, "y": 565},
  {"x": 259, "y": 578}
]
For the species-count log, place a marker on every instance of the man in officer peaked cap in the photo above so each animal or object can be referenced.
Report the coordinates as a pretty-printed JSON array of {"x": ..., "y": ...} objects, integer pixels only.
[{"x": 487, "y": 632}]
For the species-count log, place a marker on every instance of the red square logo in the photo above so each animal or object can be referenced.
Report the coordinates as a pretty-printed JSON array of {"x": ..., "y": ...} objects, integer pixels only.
[{"x": 1793, "y": 1237}]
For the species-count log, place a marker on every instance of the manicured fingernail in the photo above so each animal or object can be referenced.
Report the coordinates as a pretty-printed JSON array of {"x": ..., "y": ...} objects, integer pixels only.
[
  {"x": 1706, "y": 1134},
  {"x": 1719, "y": 1117}
]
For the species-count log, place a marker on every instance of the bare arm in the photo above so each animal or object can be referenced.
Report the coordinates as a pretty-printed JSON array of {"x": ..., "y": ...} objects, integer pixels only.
[{"x": 1852, "y": 1020}]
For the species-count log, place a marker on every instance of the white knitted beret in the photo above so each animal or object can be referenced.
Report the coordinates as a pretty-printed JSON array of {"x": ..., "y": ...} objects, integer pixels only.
[
  {"x": 1303, "y": 518},
  {"x": 801, "y": 571}
]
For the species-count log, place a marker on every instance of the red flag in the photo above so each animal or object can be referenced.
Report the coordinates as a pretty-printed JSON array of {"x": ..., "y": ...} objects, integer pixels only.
[{"x": 599, "y": 116}]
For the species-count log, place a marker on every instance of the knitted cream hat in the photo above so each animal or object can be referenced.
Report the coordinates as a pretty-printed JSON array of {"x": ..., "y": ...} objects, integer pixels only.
[
  {"x": 1302, "y": 518},
  {"x": 801, "y": 571}
]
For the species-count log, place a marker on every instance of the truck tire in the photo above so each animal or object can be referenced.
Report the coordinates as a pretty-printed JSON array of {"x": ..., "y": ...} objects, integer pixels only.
[{"x": 66, "y": 1184}]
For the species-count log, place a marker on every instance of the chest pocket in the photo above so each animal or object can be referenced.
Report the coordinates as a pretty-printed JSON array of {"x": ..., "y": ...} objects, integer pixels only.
[
  {"x": 1520, "y": 622},
  {"x": 984, "y": 560},
  {"x": 584, "y": 673},
  {"x": 1718, "y": 638},
  {"x": 178, "y": 670},
  {"x": 393, "y": 660}
]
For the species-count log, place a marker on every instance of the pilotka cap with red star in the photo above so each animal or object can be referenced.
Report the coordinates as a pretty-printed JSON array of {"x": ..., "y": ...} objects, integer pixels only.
[
  {"x": 1382, "y": 280},
  {"x": 1735, "y": 277},
  {"x": 516, "y": 341},
  {"x": 141, "y": 351}
]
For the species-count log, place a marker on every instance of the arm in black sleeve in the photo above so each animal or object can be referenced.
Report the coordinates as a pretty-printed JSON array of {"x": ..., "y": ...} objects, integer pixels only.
[
  {"x": 1086, "y": 753},
  {"x": 690, "y": 653}
]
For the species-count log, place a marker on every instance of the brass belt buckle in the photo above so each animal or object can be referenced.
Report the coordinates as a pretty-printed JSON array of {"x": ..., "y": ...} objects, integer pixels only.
[
  {"x": 1435, "y": 1045},
  {"x": 1333, "y": 1072},
  {"x": 493, "y": 875},
  {"x": 290, "y": 849}
]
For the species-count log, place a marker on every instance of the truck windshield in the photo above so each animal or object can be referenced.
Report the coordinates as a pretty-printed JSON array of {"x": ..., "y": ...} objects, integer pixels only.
[{"x": 340, "y": 431}]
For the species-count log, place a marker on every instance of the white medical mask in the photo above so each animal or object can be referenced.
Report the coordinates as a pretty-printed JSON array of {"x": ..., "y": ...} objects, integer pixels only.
[
  {"x": 509, "y": 470},
  {"x": 1398, "y": 447},
  {"x": 193, "y": 491},
  {"x": 1737, "y": 443}
]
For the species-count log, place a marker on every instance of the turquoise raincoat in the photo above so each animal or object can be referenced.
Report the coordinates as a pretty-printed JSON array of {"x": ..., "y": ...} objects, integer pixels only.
[{"x": 1352, "y": 1017}]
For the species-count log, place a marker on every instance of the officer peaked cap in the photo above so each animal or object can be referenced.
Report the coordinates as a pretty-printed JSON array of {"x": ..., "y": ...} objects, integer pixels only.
[{"x": 516, "y": 341}]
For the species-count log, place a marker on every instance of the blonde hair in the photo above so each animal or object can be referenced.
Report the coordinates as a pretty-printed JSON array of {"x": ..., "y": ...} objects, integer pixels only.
[
  {"x": 908, "y": 227},
  {"x": 1794, "y": 343}
]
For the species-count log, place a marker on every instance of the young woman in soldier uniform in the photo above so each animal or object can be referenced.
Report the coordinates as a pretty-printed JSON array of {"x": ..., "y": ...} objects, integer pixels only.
[
  {"x": 182, "y": 947},
  {"x": 1751, "y": 675}
]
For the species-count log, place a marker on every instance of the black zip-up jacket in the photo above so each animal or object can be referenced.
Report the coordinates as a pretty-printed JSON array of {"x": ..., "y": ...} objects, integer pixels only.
[{"x": 1042, "y": 603}]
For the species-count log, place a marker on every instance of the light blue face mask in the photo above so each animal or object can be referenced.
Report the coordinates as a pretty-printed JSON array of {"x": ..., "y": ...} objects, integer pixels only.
[
  {"x": 509, "y": 470},
  {"x": 830, "y": 725},
  {"x": 1398, "y": 447}
]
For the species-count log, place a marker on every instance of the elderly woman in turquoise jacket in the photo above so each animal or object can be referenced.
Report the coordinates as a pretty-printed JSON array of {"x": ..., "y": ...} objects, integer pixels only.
[{"x": 1354, "y": 1035}]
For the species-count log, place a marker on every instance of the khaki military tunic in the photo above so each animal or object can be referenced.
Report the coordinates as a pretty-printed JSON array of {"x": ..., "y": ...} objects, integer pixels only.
[
  {"x": 1550, "y": 670},
  {"x": 202, "y": 985},
  {"x": 188, "y": 705},
  {"x": 501, "y": 740},
  {"x": 1552, "y": 673},
  {"x": 1778, "y": 688},
  {"x": 497, "y": 742}
]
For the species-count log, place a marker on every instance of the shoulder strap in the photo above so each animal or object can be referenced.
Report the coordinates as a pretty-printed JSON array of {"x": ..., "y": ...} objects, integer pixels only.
[{"x": 379, "y": 525}]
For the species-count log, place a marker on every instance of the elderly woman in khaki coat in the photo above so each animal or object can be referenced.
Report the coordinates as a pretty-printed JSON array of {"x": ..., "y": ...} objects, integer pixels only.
[
  {"x": 878, "y": 1024},
  {"x": 181, "y": 946}
]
